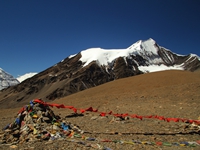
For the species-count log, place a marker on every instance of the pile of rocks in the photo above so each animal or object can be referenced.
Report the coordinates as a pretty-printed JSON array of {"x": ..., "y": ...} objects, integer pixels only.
[{"x": 36, "y": 122}]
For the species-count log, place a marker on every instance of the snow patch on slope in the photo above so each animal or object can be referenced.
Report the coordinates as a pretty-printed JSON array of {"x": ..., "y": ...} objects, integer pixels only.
[
  {"x": 26, "y": 76},
  {"x": 155, "y": 68}
]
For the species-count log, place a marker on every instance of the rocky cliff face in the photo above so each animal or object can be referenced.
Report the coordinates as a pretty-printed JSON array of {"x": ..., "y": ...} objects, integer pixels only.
[
  {"x": 76, "y": 73},
  {"x": 190, "y": 62}
]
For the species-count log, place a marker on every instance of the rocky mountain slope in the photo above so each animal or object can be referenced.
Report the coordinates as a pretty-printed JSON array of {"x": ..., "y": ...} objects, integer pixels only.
[
  {"x": 93, "y": 67},
  {"x": 6, "y": 80}
]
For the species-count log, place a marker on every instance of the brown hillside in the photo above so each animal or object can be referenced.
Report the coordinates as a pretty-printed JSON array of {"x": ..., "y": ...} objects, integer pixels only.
[
  {"x": 166, "y": 93},
  {"x": 172, "y": 87}
]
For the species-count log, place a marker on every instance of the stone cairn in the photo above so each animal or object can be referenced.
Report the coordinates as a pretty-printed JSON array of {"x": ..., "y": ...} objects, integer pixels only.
[{"x": 37, "y": 122}]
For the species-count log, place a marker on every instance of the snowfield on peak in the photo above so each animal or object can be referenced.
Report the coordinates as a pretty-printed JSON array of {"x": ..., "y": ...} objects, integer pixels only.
[{"x": 102, "y": 56}]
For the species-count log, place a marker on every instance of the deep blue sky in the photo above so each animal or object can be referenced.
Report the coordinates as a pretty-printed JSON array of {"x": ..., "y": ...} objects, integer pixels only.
[{"x": 36, "y": 34}]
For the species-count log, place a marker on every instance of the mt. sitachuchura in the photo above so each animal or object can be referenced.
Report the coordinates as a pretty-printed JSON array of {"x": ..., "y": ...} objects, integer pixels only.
[{"x": 93, "y": 67}]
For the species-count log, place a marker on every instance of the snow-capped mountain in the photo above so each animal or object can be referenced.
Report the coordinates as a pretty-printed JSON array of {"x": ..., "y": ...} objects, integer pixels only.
[
  {"x": 26, "y": 76},
  {"x": 96, "y": 66},
  {"x": 6, "y": 80},
  {"x": 152, "y": 57}
]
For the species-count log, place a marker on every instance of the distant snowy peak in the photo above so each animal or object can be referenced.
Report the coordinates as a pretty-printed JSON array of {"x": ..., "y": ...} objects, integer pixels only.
[
  {"x": 26, "y": 76},
  {"x": 148, "y": 56},
  {"x": 6, "y": 80}
]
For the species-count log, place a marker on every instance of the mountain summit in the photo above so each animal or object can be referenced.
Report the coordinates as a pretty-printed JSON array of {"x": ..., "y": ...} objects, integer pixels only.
[{"x": 96, "y": 66}]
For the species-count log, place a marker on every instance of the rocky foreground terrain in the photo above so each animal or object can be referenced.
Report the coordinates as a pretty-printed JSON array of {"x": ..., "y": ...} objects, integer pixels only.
[{"x": 172, "y": 94}]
